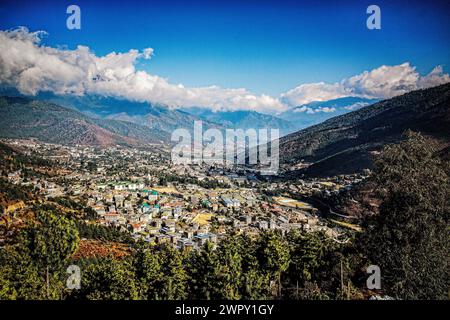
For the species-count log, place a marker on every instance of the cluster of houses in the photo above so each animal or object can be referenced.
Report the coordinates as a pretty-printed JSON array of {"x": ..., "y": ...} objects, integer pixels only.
[{"x": 125, "y": 191}]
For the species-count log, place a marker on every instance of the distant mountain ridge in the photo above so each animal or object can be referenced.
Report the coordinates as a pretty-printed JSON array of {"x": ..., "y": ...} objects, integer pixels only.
[
  {"x": 49, "y": 122},
  {"x": 345, "y": 144},
  {"x": 165, "y": 119},
  {"x": 154, "y": 116},
  {"x": 315, "y": 112},
  {"x": 342, "y": 144},
  {"x": 243, "y": 119}
]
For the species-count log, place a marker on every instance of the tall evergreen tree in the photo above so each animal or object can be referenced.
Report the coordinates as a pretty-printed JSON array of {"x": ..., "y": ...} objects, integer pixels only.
[
  {"x": 273, "y": 254},
  {"x": 409, "y": 238},
  {"x": 109, "y": 279}
]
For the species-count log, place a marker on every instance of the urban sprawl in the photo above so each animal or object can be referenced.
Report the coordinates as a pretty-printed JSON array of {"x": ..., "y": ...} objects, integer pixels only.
[{"x": 141, "y": 192}]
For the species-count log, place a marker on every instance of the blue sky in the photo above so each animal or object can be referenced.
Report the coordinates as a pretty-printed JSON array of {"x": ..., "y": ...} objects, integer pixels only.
[{"x": 266, "y": 47}]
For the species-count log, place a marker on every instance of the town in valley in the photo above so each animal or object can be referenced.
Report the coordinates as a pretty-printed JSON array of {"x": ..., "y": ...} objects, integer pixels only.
[{"x": 139, "y": 192}]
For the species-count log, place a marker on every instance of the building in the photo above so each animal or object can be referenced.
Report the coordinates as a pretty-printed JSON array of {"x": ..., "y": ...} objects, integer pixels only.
[
  {"x": 263, "y": 225},
  {"x": 153, "y": 196},
  {"x": 145, "y": 208}
]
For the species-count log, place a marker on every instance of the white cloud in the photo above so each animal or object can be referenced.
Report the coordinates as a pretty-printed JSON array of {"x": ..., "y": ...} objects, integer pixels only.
[
  {"x": 356, "y": 105},
  {"x": 434, "y": 78},
  {"x": 325, "y": 109},
  {"x": 383, "y": 82},
  {"x": 301, "y": 109},
  {"x": 32, "y": 67},
  {"x": 310, "y": 110},
  {"x": 310, "y": 92}
]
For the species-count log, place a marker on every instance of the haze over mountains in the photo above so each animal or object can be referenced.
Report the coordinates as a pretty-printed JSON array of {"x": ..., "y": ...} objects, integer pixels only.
[
  {"x": 289, "y": 121},
  {"x": 165, "y": 119},
  {"x": 156, "y": 117},
  {"x": 343, "y": 144},
  {"x": 244, "y": 120},
  {"x": 315, "y": 112}
]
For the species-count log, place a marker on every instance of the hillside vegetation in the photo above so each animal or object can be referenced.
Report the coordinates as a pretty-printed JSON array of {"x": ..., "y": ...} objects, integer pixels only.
[
  {"x": 345, "y": 144},
  {"x": 48, "y": 122}
]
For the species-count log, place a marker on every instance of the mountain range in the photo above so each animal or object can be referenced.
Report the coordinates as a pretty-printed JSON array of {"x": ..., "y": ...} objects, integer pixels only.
[
  {"x": 346, "y": 144},
  {"x": 244, "y": 119},
  {"x": 342, "y": 144},
  {"x": 315, "y": 112},
  {"x": 49, "y": 122},
  {"x": 165, "y": 119},
  {"x": 154, "y": 116}
]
